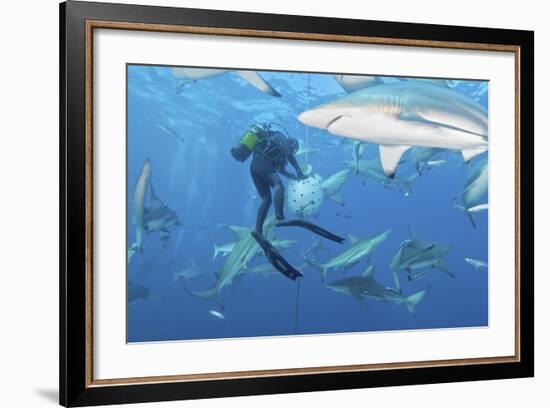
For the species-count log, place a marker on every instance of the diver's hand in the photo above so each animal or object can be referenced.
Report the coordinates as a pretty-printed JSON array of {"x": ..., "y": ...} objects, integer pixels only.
[{"x": 300, "y": 176}]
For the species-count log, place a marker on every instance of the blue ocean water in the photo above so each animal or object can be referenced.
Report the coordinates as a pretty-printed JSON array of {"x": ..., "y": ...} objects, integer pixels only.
[{"x": 186, "y": 130}]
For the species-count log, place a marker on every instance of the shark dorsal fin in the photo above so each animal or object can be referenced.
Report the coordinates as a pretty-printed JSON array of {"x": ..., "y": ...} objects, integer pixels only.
[
  {"x": 369, "y": 272},
  {"x": 240, "y": 232},
  {"x": 352, "y": 239}
]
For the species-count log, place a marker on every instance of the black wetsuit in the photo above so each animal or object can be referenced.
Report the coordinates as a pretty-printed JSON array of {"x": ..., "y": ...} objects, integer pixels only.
[{"x": 265, "y": 169}]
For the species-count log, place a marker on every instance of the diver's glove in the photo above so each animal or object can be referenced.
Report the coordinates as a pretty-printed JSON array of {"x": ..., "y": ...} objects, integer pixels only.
[{"x": 300, "y": 175}]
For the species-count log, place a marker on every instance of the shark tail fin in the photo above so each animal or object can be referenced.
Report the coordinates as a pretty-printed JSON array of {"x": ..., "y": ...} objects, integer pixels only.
[
  {"x": 322, "y": 269},
  {"x": 413, "y": 300},
  {"x": 467, "y": 213}
]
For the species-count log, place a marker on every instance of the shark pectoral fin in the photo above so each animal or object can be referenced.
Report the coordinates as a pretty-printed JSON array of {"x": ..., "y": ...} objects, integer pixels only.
[
  {"x": 352, "y": 239},
  {"x": 254, "y": 79},
  {"x": 390, "y": 156},
  {"x": 337, "y": 197},
  {"x": 442, "y": 266},
  {"x": 360, "y": 299},
  {"x": 369, "y": 272},
  {"x": 396, "y": 280},
  {"x": 469, "y": 154},
  {"x": 240, "y": 232}
]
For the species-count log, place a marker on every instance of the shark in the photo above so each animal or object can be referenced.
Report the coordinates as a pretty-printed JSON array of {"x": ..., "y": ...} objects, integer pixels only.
[
  {"x": 267, "y": 270},
  {"x": 414, "y": 254},
  {"x": 228, "y": 247},
  {"x": 332, "y": 185},
  {"x": 365, "y": 286},
  {"x": 358, "y": 249},
  {"x": 138, "y": 207},
  {"x": 424, "y": 158},
  {"x": 252, "y": 77},
  {"x": 246, "y": 248},
  {"x": 158, "y": 217},
  {"x": 371, "y": 169},
  {"x": 397, "y": 116},
  {"x": 190, "y": 272},
  {"x": 474, "y": 194},
  {"x": 352, "y": 83}
]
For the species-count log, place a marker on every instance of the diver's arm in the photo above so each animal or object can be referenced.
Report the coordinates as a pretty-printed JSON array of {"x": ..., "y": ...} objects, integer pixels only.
[
  {"x": 287, "y": 174},
  {"x": 292, "y": 160}
]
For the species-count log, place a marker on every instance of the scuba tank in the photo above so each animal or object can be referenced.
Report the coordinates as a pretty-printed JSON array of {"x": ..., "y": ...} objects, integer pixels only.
[
  {"x": 247, "y": 144},
  {"x": 269, "y": 143}
]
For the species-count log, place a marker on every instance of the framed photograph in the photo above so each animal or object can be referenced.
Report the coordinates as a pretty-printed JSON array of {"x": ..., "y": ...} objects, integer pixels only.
[{"x": 256, "y": 204}]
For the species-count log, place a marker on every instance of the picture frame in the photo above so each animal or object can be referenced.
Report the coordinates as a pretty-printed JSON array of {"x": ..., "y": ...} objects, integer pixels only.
[{"x": 79, "y": 21}]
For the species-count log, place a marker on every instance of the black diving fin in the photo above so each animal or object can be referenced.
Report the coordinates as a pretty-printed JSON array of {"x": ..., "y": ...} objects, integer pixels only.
[
  {"x": 275, "y": 258},
  {"x": 313, "y": 228}
]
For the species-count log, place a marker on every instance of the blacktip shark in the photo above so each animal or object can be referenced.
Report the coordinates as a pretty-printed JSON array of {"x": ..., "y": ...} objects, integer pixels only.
[
  {"x": 414, "y": 254},
  {"x": 474, "y": 195},
  {"x": 267, "y": 270},
  {"x": 424, "y": 158},
  {"x": 332, "y": 185},
  {"x": 246, "y": 248},
  {"x": 371, "y": 169},
  {"x": 138, "y": 207},
  {"x": 252, "y": 77},
  {"x": 190, "y": 272},
  {"x": 358, "y": 249},
  {"x": 228, "y": 247},
  {"x": 365, "y": 286},
  {"x": 159, "y": 217},
  {"x": 397, "y": 116}
]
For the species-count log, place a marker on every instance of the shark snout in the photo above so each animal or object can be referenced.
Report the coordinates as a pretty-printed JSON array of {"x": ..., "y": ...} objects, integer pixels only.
[{"x": 321, "y": 117}]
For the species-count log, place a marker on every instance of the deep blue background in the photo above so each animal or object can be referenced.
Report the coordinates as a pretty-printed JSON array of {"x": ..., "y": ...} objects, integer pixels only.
[{"x": 207, "y": 188}]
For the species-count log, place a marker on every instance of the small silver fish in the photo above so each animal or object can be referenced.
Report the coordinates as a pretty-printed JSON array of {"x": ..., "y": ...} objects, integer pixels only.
[
  {"x": 217, "y": 314},
  {"x": 476, "y": 264}
]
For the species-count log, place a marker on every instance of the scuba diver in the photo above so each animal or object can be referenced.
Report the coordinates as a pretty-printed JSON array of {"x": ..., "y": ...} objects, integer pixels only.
[{"x": 271, "y": 151}]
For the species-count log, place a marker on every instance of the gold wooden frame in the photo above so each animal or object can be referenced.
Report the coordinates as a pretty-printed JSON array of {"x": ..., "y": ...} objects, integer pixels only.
[{"x": 98, "y": 24}]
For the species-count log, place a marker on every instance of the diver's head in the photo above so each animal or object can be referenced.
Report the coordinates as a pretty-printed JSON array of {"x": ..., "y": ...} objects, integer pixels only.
[{"x": 294, "y": 145}]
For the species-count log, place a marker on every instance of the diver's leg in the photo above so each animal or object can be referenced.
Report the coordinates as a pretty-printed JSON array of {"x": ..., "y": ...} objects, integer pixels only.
[
  {"x": 265, "y": 193},
  {"x": 279, "y": 197}
]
